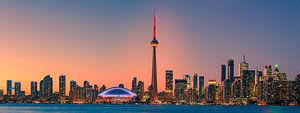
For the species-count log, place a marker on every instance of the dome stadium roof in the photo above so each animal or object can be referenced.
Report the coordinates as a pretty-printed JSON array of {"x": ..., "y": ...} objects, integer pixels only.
[{"x": 117, "y": 92}]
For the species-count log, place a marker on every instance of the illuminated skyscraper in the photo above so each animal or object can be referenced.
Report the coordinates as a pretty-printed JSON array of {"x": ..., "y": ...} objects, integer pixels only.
[
  {"x": 223, "y": 72},
  {"x": 248, "y": 83},
  {"x": 195, "y": 87},
  {"x": 46, "y": 86},
  {"x": 268, "y": 71},
  {"x": 134, "y": 84},
  {"x": 188, "y": 81},
  {"x": 8, "y": 87},
  {"x": 237, "y": 87},
  {"x": 201, "y": 86},
  {"x": 243, "y": 66},
  {"x": 195, "y": 81},
  {"x": 154, "y": 44},
  {"x": 62, "y": 85},
  {"x": 33, "y": 88},
  {"x": 227, "y": 90},
  {"x": 211, "y": 91},
  {"x": 140, "y": 90},
  {"x": 169, "y": 80},
  {"x": 180, "y": 90},
  {"x": 17, "y": 89},
  {"x": 230, "y": 69},
  {"x": 72, "y": 88}
]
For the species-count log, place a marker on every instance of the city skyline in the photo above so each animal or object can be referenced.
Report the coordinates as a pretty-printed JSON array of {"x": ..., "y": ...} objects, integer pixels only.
[{"x": 29, "y": 53}]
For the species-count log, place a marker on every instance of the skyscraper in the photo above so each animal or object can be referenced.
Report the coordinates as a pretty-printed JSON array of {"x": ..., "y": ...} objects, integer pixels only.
[
  {"x": 237, "y": 87},
  {"x": 154, "y": 44},
  {"x": 72, "y": 88},
  {"x": 223, "y": 72},
  {"x": 33, "y": 88},
  {"x": 248, "y": 83},
  {"x": 268, "y": 71},
  {"x": 17, "y": 89},
  {"x": 8, "y": 87},
  {"x": 230, "y": 69},
  {"x": 211, "y": 91},
  {"x": 195, "y": 87},
  {"x": 227, "y": 90},
  {"x": 103, "y": 88},
  {"x": 180, "y": 89},
  {"x": 134, "y": 84},
  {"x": 201, "y": 86},
  {"x": 140, "y": 90},
  {"x": 169, "y": 80},
  {"x": 189, "y": 88},
  {"x": 62, "y": 85},
  {"x": 195, "y": 81},
  {"x": 188, "y": 81},
  {"x": 243, "y": 66},
  {"x": 46, "y": 86}
]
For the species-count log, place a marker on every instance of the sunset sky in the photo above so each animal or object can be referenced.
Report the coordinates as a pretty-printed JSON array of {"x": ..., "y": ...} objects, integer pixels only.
[{"x": 108, "y": 41}]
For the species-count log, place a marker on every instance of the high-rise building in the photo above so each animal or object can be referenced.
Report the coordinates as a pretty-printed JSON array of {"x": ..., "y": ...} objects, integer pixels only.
[
  {"x": 95, "y": 92},
  {"x": 17, "y": 89},
  {"x": 282, "y": 92},
  {"x": 189, "y": 88},
  {"x": 211, "y": 91},
  {"x": 268, "y": 71},
  {"x": 86, "y": 85},
  {"x": 46, "y": 87},
  {"x": 243, "y": 66},
  {"x": 154, "y": 44},
  {"x": 195, "y": 81},
  {"x": 230, "y": 69},
  {"x": 134, "y": 84},
  {"x": 73, "y": 86},
  {"x": 237, "y": 87},
  {"x": 248, "y": 83},
  {"x": 201, "y": 86},
  {"x": 103, "y": 88},
  {"x": 195, "y": 88},
  {"x": 140, "y": 87},
  {"x": 62, "y": 85},
  {"x": 8, "y": 87},
  {"x": 180, "y": 90},
  {"x": 227, "y": 90},
  {"x": 33, "y": 88},
  {"x": 169, "y": 81},
  {"x": 140, "y": 90},
  {"x": 188, "y": 81},
  {"x": 223, "y": 72}
]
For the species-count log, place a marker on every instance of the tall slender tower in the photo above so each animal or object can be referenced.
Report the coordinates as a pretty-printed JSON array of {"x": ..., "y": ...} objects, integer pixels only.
[{"x": 154, "y": 44}]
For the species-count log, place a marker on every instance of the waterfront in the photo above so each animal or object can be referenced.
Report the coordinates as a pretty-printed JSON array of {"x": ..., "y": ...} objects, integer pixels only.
[{"x": 101, "y": 108}]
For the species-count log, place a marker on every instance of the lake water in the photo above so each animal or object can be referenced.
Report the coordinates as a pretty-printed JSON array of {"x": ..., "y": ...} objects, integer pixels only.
[{"x": 94, "y": 108}]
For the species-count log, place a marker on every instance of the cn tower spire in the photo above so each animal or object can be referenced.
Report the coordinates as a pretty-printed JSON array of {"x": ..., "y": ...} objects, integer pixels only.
[
  {"x": 154, "y": 44},
  {"x": 154, "y": 26}
]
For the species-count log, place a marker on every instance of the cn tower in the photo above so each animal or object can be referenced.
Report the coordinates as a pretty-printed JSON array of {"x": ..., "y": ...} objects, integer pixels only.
[{"x": 154, "y": 44}]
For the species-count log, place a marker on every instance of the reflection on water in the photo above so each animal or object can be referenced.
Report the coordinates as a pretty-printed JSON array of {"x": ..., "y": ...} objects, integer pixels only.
[{"x": 43, "y": 108}]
